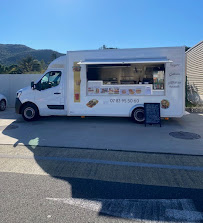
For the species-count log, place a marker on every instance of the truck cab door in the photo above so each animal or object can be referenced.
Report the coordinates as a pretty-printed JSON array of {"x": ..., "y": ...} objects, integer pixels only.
[{"x": 49, "y": 94}]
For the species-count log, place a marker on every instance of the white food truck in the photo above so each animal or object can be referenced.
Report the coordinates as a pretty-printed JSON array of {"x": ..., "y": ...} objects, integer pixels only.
[{"x": 114, "y": 82}]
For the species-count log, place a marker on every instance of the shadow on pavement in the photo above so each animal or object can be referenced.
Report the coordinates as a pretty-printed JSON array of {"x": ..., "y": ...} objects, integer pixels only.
[{"x": 100, "y": 189}]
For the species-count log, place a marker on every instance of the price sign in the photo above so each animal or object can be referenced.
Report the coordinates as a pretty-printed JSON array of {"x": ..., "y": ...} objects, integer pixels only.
[{"x": 152, "y": 113}]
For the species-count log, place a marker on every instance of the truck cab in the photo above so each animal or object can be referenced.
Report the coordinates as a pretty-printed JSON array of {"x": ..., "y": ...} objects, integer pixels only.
[{"x": 46, "y": 96}]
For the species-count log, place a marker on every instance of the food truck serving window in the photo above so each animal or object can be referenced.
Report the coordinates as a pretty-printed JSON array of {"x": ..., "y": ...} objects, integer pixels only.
[{"x": 125, "y": 78}]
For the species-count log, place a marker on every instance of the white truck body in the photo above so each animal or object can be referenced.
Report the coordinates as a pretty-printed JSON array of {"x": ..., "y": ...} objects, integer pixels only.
[{"x": 105, "y": 83}]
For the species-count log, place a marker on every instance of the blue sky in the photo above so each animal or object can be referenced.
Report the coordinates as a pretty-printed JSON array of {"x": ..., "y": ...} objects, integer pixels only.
[{"x": 88, "y": 24}]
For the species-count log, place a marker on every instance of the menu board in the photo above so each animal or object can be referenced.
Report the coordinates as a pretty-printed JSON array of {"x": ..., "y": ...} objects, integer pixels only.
[{"x": 152, "y": 113}]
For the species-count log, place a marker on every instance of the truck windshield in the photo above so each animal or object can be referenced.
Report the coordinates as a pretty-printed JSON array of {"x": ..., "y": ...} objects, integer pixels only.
[{"x": 50, "y": 79}]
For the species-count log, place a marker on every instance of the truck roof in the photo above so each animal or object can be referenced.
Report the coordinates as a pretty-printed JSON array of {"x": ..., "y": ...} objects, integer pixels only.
[{"x": 96, "y": 50}]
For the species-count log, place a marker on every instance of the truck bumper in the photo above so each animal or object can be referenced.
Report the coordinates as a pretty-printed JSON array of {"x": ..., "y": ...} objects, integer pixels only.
[{"x": 18, "y": 105}]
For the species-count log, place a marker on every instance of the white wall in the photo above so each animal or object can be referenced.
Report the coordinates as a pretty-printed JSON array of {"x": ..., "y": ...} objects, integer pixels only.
[{"x": 10, "y": 83}]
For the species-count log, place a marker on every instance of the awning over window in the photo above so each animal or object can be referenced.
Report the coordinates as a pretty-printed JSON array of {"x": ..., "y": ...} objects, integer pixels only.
[{"x": 126, "y": 61}]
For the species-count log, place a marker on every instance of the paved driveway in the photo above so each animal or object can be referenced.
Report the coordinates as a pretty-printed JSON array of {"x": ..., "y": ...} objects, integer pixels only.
[{"x": 102, "y": 133}]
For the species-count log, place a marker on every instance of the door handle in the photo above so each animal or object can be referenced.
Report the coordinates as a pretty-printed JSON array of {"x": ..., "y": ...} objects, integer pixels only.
[{"x": 57, "y": 93}]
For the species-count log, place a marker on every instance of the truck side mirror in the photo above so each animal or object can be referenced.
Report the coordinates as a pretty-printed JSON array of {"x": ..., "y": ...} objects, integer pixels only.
[
  {"x": 32, "y": 85},
  {"x": 38, "y": 86}
]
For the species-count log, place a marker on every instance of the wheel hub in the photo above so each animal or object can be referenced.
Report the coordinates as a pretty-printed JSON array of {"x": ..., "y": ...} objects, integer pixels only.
[
  {"x": 29, "y": 113},
  {"x": 139, "y": 115}
]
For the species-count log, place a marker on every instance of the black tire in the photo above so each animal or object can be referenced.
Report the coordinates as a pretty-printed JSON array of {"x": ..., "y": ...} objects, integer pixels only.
[
  {"x": 2, "y": 105},
  {"x": 138, "y": 115},
  {"x": 30, "y": 112}
]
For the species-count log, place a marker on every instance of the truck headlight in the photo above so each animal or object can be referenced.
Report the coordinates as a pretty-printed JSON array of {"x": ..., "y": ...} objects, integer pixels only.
[{"x": 19, "y": 93}]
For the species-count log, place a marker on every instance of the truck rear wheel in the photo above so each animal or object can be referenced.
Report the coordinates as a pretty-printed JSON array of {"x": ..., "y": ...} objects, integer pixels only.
[
  {"x": 30, "y": 112},
  {"x": 138, "y": 115}
]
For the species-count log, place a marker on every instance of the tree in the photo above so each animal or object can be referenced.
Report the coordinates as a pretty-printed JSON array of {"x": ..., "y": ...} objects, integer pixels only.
[
  {"x": 26, "y": 64},
  {"x": 43, "y": 65},
  {"x": 14, "y": 69},
  {"x": 36, "y": 66},
  {"x": 2, "y": 69}
]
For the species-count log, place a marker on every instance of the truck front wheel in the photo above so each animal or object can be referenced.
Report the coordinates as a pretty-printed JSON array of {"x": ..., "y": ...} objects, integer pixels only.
[
  {"x": 138, "y": 115},
  {"x": 30, "y": 112}
]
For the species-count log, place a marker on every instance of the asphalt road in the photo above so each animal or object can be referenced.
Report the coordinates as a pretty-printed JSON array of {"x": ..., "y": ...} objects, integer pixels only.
[{"x": 49, "y": 184}]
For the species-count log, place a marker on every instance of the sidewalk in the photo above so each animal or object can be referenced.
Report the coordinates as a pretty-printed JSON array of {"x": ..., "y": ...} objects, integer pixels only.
[{"x": 102, "y": 133}]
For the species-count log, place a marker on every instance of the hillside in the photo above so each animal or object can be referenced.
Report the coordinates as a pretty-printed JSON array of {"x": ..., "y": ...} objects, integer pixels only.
[{"x": 13, "y": 53}]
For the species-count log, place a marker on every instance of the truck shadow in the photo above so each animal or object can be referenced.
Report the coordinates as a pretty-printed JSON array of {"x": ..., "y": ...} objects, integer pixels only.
[{"x": 103, "y": 189}]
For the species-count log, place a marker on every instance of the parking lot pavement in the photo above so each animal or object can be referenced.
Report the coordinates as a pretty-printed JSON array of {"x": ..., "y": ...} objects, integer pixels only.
[
  {"x": 48, "y": 184},
  {"x": 102, "y": 133}
]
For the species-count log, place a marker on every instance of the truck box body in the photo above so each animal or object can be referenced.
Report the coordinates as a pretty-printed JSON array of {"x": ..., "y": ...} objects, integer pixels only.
[{"x": 113, "y": 83}]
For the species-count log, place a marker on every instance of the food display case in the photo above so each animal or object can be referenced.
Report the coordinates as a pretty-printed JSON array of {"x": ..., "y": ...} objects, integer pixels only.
[
  {"x": 98, "y": 88},
  {"x": 130, "y": 79}
]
